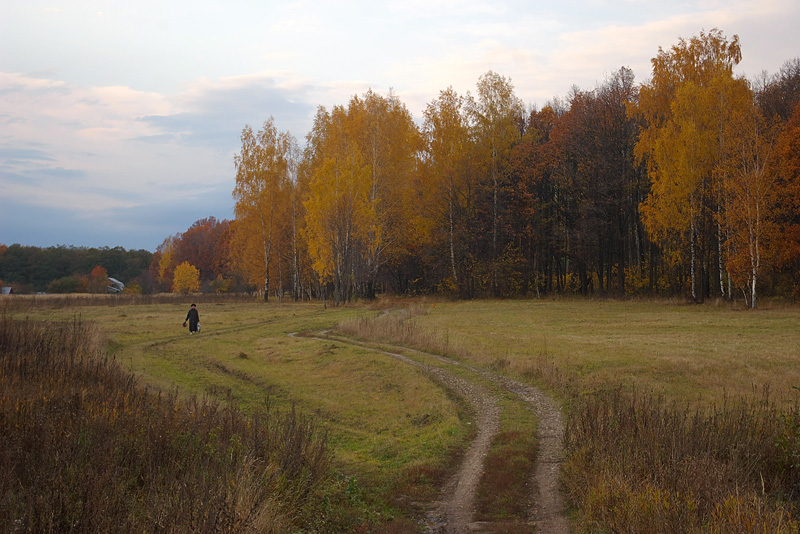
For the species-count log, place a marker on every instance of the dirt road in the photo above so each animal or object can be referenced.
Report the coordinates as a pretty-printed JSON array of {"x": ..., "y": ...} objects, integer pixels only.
[{"x": 454, "y": 511}]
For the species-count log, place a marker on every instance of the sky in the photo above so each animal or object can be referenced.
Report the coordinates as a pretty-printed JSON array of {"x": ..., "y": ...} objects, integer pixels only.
[{"x": 119, "y": 121}]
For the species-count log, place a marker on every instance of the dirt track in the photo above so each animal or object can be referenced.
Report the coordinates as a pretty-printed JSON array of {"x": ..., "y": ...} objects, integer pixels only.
[{"x": 453, "y": 513}]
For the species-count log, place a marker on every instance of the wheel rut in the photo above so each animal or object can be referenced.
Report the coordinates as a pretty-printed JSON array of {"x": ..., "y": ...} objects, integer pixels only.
[{"x": 454, "y": 511}]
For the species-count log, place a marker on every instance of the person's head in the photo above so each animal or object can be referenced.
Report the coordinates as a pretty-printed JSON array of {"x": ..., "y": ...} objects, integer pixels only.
[{"x": 194, "y": 305}]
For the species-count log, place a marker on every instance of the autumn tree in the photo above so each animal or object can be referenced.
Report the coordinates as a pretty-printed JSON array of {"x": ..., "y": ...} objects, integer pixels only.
[
  {"x": 536, "y": 221},
  {"x": 778, "y": 95},
  {"x": 390, "y": 142},
  {"x": 337, "y": 208},
  {"x": 186, "y": 279},
  {"x": 202, "y": 245},
  {"x": 496, "y": 116},
  {"x": 163, "y": 263},
  {"x": 444, "y": 194},
  {"x": 359, "y": 160},
  {"x": 752, "y": 195},
  {"x": 684, "y": 109},
  {"x": 265, "y": 168},
  {"x": 98, "y": 280},
  {"x": 787, "y": 166}
]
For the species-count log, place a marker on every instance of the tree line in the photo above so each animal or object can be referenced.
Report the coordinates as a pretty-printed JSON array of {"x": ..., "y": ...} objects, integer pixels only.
[
  {"x": 194, "y": 260},
  {"x": 64, "y": 269},
  {"x": 684, "y": 185}
]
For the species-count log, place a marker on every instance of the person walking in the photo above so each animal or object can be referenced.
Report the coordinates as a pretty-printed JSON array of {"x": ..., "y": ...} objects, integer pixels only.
[{"x": 194, "y": 319}]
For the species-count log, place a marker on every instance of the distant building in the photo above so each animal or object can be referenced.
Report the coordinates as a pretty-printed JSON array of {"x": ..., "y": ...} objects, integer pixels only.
[
  {"x": 6, "y": 290},
  {"x": 115, "y": 286}
]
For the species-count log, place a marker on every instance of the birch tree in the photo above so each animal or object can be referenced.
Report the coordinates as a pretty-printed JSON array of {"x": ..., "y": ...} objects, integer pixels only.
[
  {"x": 262, "y": 177},
  {"x": 684, "y": 111},
  {"x": 337, "y": 208},
  {"x": 446, "y": 135},
  {"x": 754, "y": 197},
  {"x": 497, "y": 116}
]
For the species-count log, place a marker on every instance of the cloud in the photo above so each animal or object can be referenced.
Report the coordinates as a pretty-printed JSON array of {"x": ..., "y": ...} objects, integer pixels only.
[
  {"x": 126, "y": 159},
  {"x": 214, "y": 112},
  {"x": 17, "y": 156}
]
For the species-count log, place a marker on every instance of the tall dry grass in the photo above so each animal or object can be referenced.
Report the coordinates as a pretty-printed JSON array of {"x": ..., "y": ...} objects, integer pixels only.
[
  {"x": 83, "y": 448},
  {"x": 396, "y": 326},
  {"x": 637, "y": 463}
]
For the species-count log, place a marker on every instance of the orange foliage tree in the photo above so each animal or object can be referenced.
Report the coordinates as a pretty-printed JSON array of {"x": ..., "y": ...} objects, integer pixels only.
[
  {"x": 200, "y": 245},
  {"x": 752, "y": 196},
  {"x": 98, "y": 280},
  {"x": 360, "y": 161},
  {"x": 787, "y": 167}
]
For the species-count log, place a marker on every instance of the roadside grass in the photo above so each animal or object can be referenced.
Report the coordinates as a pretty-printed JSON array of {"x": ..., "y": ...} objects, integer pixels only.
[{"x": 391, "y": 431}]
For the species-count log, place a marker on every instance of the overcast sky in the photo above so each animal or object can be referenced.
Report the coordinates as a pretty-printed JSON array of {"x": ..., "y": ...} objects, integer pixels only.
[{"x": 119, "y": 121}]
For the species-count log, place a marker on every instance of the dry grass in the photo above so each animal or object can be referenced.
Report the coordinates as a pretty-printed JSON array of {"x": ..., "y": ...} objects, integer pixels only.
[
  {"x": 70, "y": 301},
  {"x": 697, "y": 354},
  {"x": 638, "y": 463},
  {"x": 83, "y": 448}
]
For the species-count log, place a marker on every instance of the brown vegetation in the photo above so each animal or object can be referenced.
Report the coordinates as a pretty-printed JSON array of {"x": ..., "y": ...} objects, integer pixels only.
[
  {"x": 637, "y": 463},
  {"x": 27, "y": 303},
  {"x": 83, "y": 448}
]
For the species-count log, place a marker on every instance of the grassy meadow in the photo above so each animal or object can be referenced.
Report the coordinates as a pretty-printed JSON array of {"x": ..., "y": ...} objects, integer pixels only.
[
  {"x": 393, "y": 433},
  {"x": 683, "y": 352},
  {"x": 679, "y": 418},
  {"x": 713, "y": 386}
]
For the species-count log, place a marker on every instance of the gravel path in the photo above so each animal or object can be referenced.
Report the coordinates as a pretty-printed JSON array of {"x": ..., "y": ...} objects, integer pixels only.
[{"x": 454, "y": 511}]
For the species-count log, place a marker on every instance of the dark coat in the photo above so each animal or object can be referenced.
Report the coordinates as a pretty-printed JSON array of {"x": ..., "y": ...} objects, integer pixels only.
[{"x": 193, "y": 317}]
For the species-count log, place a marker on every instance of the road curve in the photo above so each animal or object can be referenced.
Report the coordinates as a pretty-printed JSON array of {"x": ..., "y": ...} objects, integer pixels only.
[{"x": 454, "y": 511}]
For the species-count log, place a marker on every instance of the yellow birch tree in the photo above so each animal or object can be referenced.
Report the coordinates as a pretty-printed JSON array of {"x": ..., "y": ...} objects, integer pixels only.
[
  {"x": 684, "y": 109},
  {"x": 337, "y": 208},
  {"x": 264, "y": 170},
  {"x": 446, "y": 136}
]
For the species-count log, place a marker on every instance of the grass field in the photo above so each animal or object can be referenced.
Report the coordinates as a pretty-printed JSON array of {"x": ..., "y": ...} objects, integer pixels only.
[
  {"x": 686, "y": 353},
  {"x": 394, "y": 432},
  {"x": 679, "y": 418}
]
